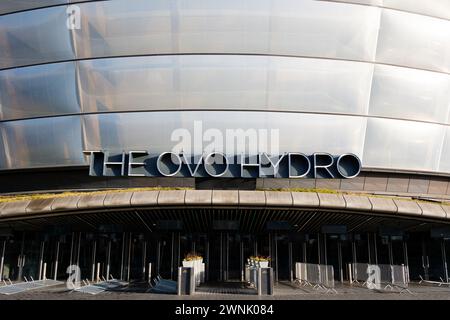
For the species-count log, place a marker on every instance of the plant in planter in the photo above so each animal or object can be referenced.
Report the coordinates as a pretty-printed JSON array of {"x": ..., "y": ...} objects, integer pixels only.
[
  {"x": 195, "y": 261},
  {"x": 263, "y": 261},
  {"x": 254, "y": 260},
  {"x": 193, "y": 257},
  {"x": 260, "y": 261}
]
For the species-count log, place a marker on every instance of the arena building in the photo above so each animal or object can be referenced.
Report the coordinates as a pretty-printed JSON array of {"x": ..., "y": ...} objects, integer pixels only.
[{"x": 348, "y": 102}]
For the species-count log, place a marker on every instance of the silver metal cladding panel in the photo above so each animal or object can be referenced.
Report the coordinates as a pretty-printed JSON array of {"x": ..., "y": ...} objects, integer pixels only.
[
  {"x": 38, "y": 91},
  {"x": 225, "y": 82},
  {"x": 36, "y": 36},
  {"x": 402, "y": 144},
  {"x": 444, "y": 163},
  {"x": 406, "y": 93},
  {"x": 43, "y": 142},
  {"x": 415, "y": 41},
  {"x": 4, "y": 161},
  {"x": 283, "y": 27},
  {"x": 7, "y": 6},
  {"x": 434, "y": 8},
  {"x": 141, "y": 130},
  {"x": 11, "y": 6},
  {"x": 286, "y": 27}
]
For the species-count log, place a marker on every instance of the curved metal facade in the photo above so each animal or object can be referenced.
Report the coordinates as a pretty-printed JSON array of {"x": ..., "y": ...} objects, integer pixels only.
[{"x": 370, "y": 77}]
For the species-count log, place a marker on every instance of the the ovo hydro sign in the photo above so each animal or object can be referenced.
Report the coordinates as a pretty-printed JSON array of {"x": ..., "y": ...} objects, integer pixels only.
[{"x": 217, "y": 164}]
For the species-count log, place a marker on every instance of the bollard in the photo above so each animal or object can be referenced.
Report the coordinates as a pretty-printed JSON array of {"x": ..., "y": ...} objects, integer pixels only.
[
  {"x": 186, "y": 281},
  {"x": 44, "y": 272},
  {"x": 265, "y": 281},
  {"x": 247, "y": 274},
  {"x": 350, "y": 275},
  {"x": 149, "y": 272},
  {"x": 253, "y": 276},
  {"x": 98, "y": 272}
]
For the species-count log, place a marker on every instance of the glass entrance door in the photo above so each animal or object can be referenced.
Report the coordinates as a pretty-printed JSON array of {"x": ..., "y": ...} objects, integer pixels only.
[
  {"x": 234, "y": 257},
  {"x": 30, "y": 259},
  {"x": 281, "y": 256},
  {"x": 434, "y": 259},
  {"x": 11, "y": 259},
  {"x": 226, "y": 256}
]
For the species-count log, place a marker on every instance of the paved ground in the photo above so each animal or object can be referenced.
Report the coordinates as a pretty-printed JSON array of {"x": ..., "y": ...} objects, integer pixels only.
[{"x": 283, "y": 291}]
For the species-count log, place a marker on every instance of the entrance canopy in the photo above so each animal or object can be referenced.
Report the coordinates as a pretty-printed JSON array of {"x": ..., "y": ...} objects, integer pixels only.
[{"x": 211, "y": 210}]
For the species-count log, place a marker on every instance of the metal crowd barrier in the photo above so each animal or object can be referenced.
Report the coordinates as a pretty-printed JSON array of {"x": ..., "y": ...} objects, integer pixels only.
[
  {"x": 13, "y": 288},
  {"x": 358, "y": 272},
  {"x": 438, "y": 283},
  {"x": 327, "y": 275},
  {"x": 389, "y": 275},
  {"x": 100, "y": 287},
  {"x": 318, "y": 276},
  {"x": 91, "y": 289},
  {"x": 160, "y": 285}
]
